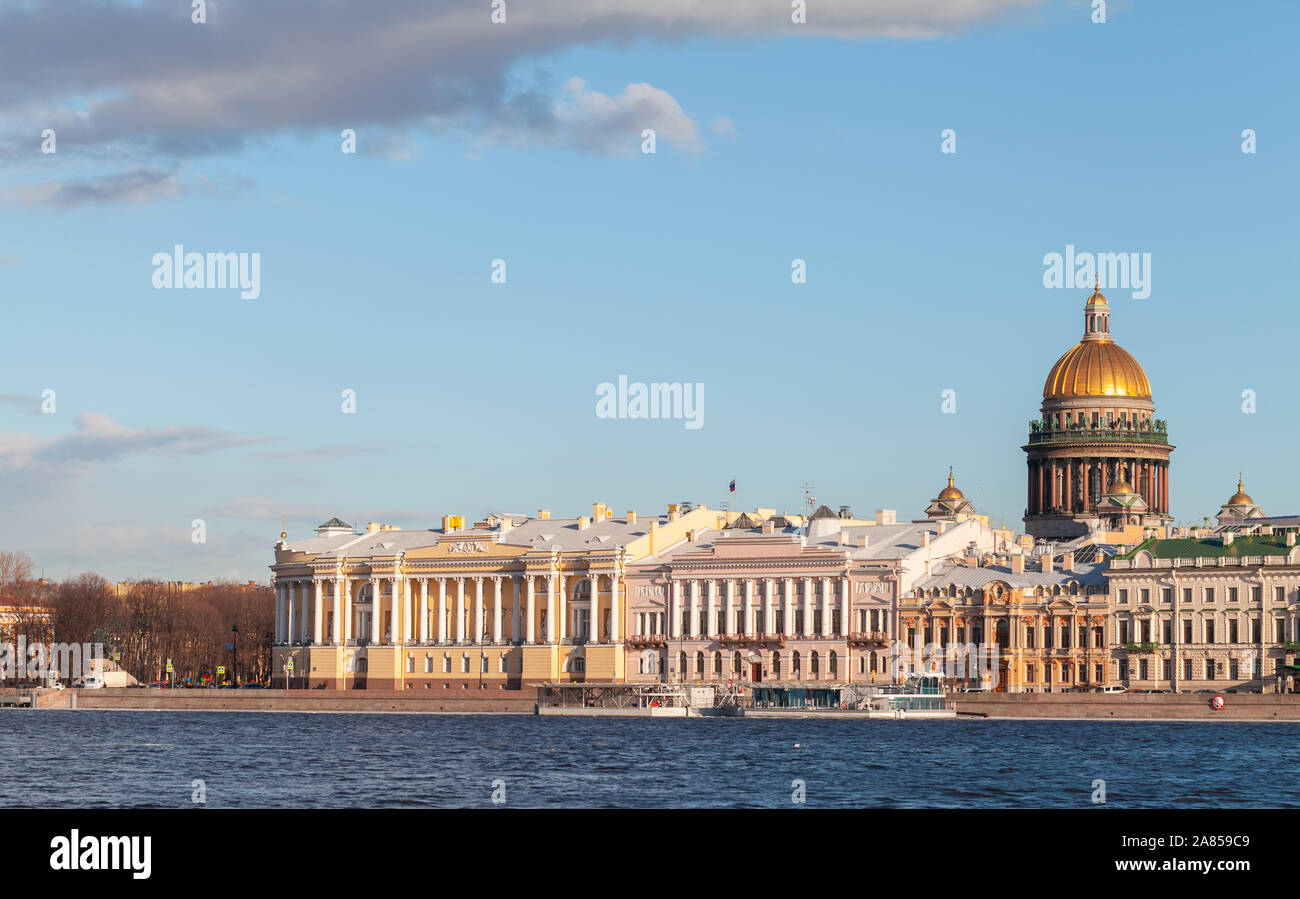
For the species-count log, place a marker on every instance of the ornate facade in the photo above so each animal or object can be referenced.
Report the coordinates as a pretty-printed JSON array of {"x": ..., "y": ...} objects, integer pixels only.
[{"x": 1098, "y": 443}]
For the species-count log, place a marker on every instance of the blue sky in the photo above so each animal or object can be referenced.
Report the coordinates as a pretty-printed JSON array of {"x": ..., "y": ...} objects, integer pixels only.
[{"x": 924, "y": 274}]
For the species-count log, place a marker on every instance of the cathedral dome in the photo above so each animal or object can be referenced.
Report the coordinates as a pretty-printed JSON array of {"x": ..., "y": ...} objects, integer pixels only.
[
  {"x": 951, "y": 492},
  {"x": 1240, "y": 498},
  {"x": 1097, "y": 368}
]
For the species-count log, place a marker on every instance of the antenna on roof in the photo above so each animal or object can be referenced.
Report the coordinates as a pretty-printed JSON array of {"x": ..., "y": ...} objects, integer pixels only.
[{"x": 809, "y": 501}]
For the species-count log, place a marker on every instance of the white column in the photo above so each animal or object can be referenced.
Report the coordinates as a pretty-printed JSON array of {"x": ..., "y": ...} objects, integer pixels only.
[
  {"x": 674, "y": 609},
  {"x": 530, "y": 628},
  {"x": 731, "y": 606},
  {"x": 394, "y": 616},
  {"x": 424, "y": 610},
  {"x": 749, "y": 605},
  {"x": 789, "y": 607},
  {"x": 515, "y": 583},
  {"x": 337, "y": 636},
  {"x": 562, "y": 613},
  {"x": 318, "y": 619},
  {"x": 292, "y": 587},
  {"x": 376, "y": 604},
  {"x": 770, "y": 606},
  {"x": 694, "y": 629},
  {"x": 442, "y": 610},
  {"x": 347, "y": 609},
  {"x": 711, "y": 616},
  {"x": 551, "y": 630},
  {"x": 496, "y": 610},
  {"x": 615, "y": 624},
  {"x": 846, "y": 588},
  {"x": 808, "y": 607},
  {"x": 827, "y": 605},
  {"x": 593, "y": 631},
  {"x": 478, "y": 610},
  {"x": 279, "y": 611},
  {"x": 460, "y": 610}
]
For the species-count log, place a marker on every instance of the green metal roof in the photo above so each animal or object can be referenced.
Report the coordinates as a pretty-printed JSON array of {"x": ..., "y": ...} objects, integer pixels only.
[{"x": 1192, "y": 547}]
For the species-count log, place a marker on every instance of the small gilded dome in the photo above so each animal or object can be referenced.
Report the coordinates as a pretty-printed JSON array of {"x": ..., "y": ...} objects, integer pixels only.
[
  {"x": 1096, "y": 368},
  {"x": 1097, "y": 300},
  {"x": 1121, "y": 486},
  {"x": 950, "y": 492},
  {"x": 1240, "y": 498}
]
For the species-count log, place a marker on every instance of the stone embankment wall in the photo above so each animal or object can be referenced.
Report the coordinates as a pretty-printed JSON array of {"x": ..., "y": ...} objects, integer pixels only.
[
  {"x": 1237, "y": 706},
  {"x": 522, "y": 702}
]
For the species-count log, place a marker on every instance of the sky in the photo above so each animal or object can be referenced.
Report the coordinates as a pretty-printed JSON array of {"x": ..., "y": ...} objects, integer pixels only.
[{"x": 522, "y": 141}]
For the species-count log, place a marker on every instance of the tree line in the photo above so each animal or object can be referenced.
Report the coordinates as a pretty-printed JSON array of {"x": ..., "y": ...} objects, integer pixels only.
[{"x": 146, "y": 623}]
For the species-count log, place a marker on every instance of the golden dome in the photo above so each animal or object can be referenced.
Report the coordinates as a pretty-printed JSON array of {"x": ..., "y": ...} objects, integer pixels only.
[
  {"x": 1240, "y": 498},
  {"x": 950, "y": 492},
  {"x": 1120, "y": 486},
  {"x": 1096, "y": 368}
]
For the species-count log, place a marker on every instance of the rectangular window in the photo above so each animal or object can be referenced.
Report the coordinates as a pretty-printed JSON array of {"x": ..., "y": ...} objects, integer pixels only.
[
  {"x": 1143, "y": 666},
  {"x": 1167, "y": 631},
  {"x": 1030, "y": 673},
  {"x": 1256, "y": 595},
  {"x": 464, "y": 664},
  {"x": 1232, "y": 630},
  {"x": 1187, "y": 632},
  {"x": 410, "y": 664},
  {"x": 1232, "y": 594},
  {"x": 1167, "y": 595},
  {"x": 1209, "y": 630},
  {"x": 1209, "y": 595},
  {"x": 446, "y": 664},
  {"x": 1168, "y": 669},
  {"x": 1209, "y": 669},
  {"x": 1031, "y": 637},
  {"x": 1187, "y": 595},
  {"x": 1187, "y": 669},
  {"x": 1123, "y": 632},
  {"x": 1279, "y": 594},
  {"x": 1254, "y": 630},
  {"x": 428, "y": 664},
  {"x": 1280, "y": 630},
  {"x": 1123, "y": 597},
  {"x": 1234, "y": 672},
  {"x": 1101, "y": 674},
  {"x": 1146, "y": 597}
]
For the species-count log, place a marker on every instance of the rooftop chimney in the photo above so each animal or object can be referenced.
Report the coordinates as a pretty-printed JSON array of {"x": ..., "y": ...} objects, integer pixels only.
[
  {"x": 1290, "y": 538},
  {"x": 925, "y": 538},
  {"x": 543, "y": 514},
  {"x": 1018, "y": 563},
  {"x": 583, "y": 523},
  {"x": 595, "y": 512},
  {"x": 943, "y": 527},
  {"x": 631, "y": 516},
  {"x": 672, "y": 512},
  {"x": 690, "y": 536},
  {"x": 769, "y": 527},
  {"x": 862, "y": 541},
  {"x": 886, "y": 516},
  {"x": 1227, "y": 538},
  {"x": 1067, "y": 562},
  {"x": 1045, "y": 562}
]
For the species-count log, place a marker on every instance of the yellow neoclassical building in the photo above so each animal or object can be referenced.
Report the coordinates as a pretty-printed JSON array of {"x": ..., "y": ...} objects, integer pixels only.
[{"x": 508, "y": 601}]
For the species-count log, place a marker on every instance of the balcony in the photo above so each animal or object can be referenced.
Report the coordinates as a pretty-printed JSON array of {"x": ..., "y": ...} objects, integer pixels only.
[
  {"x": 869, "y": 638},
  {"x": 1140, "y": 647},
  {"x": 647, "y": 641},
  {"x": 1120, "y": 432}
]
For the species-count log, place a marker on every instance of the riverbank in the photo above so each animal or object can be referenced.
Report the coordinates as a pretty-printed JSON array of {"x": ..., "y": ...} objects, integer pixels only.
[{"x": 1067, "y": 706}]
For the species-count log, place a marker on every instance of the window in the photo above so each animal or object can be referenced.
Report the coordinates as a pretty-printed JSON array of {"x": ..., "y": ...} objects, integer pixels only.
[
  {"x": 1187, "y": 632},
  {"x": 1209, "y": 669},
  {"x": 1187, "y": 669},
  {"x": 483, "y": 664},
  {"x": 446, "y": 663},
  {"x": 834, "y": 665},
  {"x": 501, "y": 664},
  {"x": 1257, "y": 595},
  {"x": 1232, "y": 630},
  {"x": 1187, "y": 595},
  {"x": 410, "y": 664},
  {"x": 717, "y": 664},
  {"x": 1279, "y": 594},
  {"x": 1280, "y": 630},
  {"x": 428, "y": 663},
  {"x": 1233, "y": 670},
  {"x": 1167, "y": 671},
  {"x": 1254, "y": 630},
  {"x": 1123, "y": 633},
  {"x": 1166, "y": 632},
  {"x": 1123, "y": 597},
  {"x": 1143, "y": 669},
  {"x": 699, "y": 664},
  {"x": 1209, "y": 595},
  {"x": 1030, "y": 674},
  {"x": 1031, "y": 633},
  {"x": 1167, "y": 595},
  {"x": 1209, "y": 630},
  {"x": 776, "y": 664},
  {"x": 1232, "y": 594},
  {"x": 464, "y": 664},
  {"x": 1146, "y": 596}
]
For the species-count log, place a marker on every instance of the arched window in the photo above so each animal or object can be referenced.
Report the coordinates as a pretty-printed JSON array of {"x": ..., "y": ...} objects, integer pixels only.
[
  {"x": 794, "y": 665},
  {"x": 579, "y": 665},
  {"x": 776, "y": 664},
  {"x": 717, "y": 664},
  {"x": 737, "y": 664},
  {"x": 813, "y": 667},
  {"x": 699, "y": 664},
  {"x": 834, "y": 665},
  {"x": 682, "y": 667}
]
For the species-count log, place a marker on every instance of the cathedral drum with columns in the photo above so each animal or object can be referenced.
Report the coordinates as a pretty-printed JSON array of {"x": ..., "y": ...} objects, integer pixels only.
[{"x": 1098, "y": 457}]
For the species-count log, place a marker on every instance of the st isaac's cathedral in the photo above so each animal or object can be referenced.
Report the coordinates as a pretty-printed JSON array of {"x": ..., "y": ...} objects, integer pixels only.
[{"x": 1098, "y": 457}]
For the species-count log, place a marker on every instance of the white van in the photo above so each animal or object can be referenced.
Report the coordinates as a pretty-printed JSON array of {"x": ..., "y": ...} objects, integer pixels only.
[
  {"x": 90, "y": 682},
  {"x": 1113, "y": 688}
]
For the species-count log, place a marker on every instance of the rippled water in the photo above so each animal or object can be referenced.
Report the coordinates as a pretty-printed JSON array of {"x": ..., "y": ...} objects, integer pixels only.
[{"x": 265, "y": 760}]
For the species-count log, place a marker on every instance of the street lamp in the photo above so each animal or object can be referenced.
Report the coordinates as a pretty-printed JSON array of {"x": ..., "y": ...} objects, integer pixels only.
[{"x": 234, "y": 667}]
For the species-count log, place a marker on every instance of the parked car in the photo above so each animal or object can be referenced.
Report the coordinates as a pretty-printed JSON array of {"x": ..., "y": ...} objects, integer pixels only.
[
  {"x": 89, "y": 682},
  {"x": 1112, "y": 688}
]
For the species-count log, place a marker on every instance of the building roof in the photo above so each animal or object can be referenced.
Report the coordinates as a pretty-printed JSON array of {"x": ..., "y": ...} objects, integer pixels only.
[
  {"x": 1092, "y": 573},
  {"x": 1208, "y": 547}
]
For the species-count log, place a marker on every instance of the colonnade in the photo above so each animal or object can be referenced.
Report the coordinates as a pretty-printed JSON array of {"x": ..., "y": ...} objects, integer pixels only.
[
  {"x": 460, "y": 611},
  {"x": 750, "y": 611}
]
